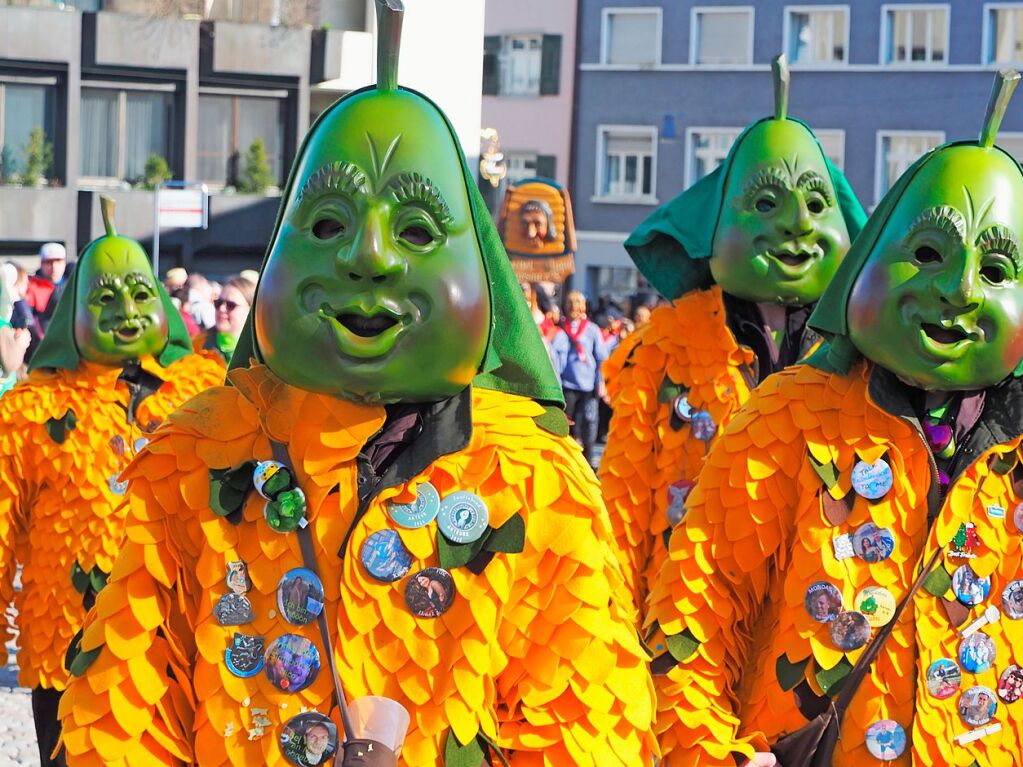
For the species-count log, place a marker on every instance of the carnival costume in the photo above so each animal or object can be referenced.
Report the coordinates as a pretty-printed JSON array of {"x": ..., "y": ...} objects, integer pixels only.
[
  {"x": 769, "y": 226},
  {"x": 889, "y": 461},
  {"x": 115, "y": 362},
  {"x": 391, "y": 428}
]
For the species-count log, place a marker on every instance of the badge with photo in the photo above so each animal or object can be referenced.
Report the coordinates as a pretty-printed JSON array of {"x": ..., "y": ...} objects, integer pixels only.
[{"x": 309, "y": 739}]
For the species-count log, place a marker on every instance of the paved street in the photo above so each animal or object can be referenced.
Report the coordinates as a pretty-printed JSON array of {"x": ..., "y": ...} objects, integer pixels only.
[{"x": 17, "y": 734}]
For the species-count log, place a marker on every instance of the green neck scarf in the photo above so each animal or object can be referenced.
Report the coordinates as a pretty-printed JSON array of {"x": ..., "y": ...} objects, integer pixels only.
[
  {"x": 515, "y": 360},
  {"x": 59, "y": 350},
  {"x": 672, "y": 247}
]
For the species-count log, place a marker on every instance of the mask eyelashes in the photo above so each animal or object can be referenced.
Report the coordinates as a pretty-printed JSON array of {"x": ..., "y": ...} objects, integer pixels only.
[
  {"x": 766, "y": 177},
  {"x": 414, "y": 187}
]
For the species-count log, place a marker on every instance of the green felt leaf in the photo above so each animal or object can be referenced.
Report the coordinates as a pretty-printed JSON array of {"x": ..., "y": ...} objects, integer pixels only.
[
  {"x": 790, "y": 674},
  {"x": 58, "y": 428},
  {"x": 97, "y": 579},
  {"x": 457, "y": 755},
  {"x": 494, "y": 749},
  {"x": 79, "y": 578},
  {"x": 83, "y": 660},
  {"x": 829, "y": 678},
  {"x": 682, "y": 646},
  {"x": 457, "y": 554},
  {"x": 669, "y": 390},
  {"x": 225, "y": 498},
  {"x": 938, "y": 582},
  {"x": 240, "y": 477},
  {"x": 1004, "y": 463},
  {"x": 509, "y": 537},
  {"x": 553, "y": 420},
  {"x": 828, "y": 472}
]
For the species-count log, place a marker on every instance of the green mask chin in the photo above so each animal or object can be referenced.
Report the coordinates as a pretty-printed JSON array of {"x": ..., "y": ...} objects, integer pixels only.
[
  {"x": 781, "y": 234},
  {"x": 375, "y": 288},
  {"x": 939, "y": 300},
  {"x": 119, "y": 312}
]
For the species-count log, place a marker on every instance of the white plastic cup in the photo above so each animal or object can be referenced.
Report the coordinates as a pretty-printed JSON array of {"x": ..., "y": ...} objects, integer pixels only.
[{"x": 381, "y": 719}]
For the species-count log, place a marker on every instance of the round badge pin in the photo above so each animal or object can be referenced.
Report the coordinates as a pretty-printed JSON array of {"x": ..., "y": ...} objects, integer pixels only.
[
  {"x": 678, "y": 492},
  {"x": 300, "y": 596},
  {"x": 886, "y": 740},
  {"x": 421, "y": 512},
  {"x": 872, "y": 480},
  {"x": 244, "y": 656},
  {"x": 702, "y": 426},
  {"x": 463, "y": 517},
  {"x": 970, "y": 588},
  {"x": 430, "y": 592},
  {"x": 944, "y": 678},
  {"x": 1010, "y": 684},
  {"x": 233, "y": 610},
  {"x": 117, "y": 487},
  {"x": 823, "y": 602},
  {"x": 877, "y": 605},
  {"x": 977, "y": 653},
  {"x": 140, "y": 443},
  {"x": 1012, "y": 600},
  {"x": 977, "y": 706},
  {"x": 270, "y": 478},
  {"x": 850, "y": 631},
  {"x": 873, "y": 544},
  {"x": 385, "y": 557},
  {"x": 291, "y": 663},
  {"x": 682, "y": 408},
  {"x": 308, "y": 739}
]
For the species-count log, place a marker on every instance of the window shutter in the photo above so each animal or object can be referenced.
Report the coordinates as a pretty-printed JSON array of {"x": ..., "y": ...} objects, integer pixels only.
[
  {"x": 550, "y": 65},
  {"x": 491, "y": 65},
  {"x": 546, "y": 165}
]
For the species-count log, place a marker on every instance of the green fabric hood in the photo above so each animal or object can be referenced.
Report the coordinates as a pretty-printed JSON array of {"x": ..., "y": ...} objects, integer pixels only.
[
  {"x": 515, "y": 360},
  {"x": 58, "y": 348},
  {"x": 672, "y": 247}
]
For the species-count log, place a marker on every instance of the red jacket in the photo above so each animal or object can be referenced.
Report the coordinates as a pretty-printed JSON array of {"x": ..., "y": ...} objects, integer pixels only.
[{"x": 38, "y": 293}]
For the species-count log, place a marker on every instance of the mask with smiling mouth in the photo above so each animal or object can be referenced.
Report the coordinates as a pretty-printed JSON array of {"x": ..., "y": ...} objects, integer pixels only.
[
  {"x": 385, "y": 280},
  {"x": 770, "y": 225},
  {"x": 933, "y": 290}
]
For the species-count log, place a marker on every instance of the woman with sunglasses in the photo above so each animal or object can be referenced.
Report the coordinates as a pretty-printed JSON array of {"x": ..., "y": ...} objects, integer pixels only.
[{"x": 232, "y": 309}]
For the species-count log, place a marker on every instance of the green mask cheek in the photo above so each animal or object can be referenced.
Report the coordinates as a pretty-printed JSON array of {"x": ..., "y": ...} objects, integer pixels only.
[
  {"x": 118, "y": 312},
  {"x": 781, "y": 235},
  {"x": 940, "y": 300}
]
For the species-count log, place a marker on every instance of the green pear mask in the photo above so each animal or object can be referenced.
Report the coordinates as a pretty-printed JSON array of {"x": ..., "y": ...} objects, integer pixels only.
[
  {"x": 375, "y": 289},
  {"x": 119, "y": 312},
  {"x": 781, "y": 234},
  {"x": 939, "y": 301}
]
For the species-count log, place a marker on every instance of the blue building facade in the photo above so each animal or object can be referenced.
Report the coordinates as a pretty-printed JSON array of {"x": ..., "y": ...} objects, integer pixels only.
[{"x": 664, "y": 86}]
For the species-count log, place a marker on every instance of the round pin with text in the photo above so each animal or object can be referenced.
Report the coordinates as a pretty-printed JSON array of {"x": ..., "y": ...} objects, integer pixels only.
[
  {"x": 420, "y": 512},
  {"x": 872, "y": 480},
  {"x": 977, "y": 706},
  {"x": 877, "y": 605},
  {"x": 463, "y": 517}
]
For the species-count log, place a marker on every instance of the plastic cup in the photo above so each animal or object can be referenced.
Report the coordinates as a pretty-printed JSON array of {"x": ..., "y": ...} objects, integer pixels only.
[{"x": 381, "y": 719}]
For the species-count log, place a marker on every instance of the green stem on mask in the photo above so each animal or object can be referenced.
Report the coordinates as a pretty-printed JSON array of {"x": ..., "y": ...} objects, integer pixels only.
[
  {"x": 106, "y": 208},
  {"x": 1001, "y": 91},
  {"x": 780, "y": 79},
  {"x": 389, "y": 18}
]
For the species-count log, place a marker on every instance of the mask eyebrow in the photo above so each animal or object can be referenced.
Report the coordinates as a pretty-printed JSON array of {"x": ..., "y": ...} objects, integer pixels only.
[
  {"x": 341, "y": 176},
  {"x": 103, "y": 280},
  {"x": 770, "y": 176},
  {"x": 944, "y": 218},
  {"x": 1003, "y": 240},
  {"x": 138, "y": 278},
  {"x": 811, "y": 178},
  {"x": 415, "y": 187}
]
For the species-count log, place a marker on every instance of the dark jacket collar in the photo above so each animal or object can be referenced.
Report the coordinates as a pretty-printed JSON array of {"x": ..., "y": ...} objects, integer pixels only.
[{"x": 747, "y": 325}]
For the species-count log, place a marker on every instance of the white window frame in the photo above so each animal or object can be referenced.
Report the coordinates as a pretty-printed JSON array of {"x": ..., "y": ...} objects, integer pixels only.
[
  {"x": 787, "y": 34},
  {"x": 605, "y": 21},
  {"x": 691, "y": 132},
  {"x": 987, "y": 52},
  {"x": 694, "y": 14},
  {"x": 520, "y": 153},
  {"x": 885, "y": 34},
  {"x": 880, "y": 167},
  {"x": 505, "y": 64},
  {"x": 637, "y": 199}
]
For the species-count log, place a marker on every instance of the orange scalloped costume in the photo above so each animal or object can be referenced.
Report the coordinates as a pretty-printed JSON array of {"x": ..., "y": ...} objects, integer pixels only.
[
  {"x": 57, "y": 506},
  {"x": 537, "y": 653},
  {"x": 757, "y": 536},
  {"x": 685, "y": 346}
]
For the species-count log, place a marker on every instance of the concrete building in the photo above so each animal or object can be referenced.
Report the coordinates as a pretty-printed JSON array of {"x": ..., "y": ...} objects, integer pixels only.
[
  {"x": 110, "y": 89},
  {"x": 664, "y": 87},
  {"x": 528, "y": 85}
]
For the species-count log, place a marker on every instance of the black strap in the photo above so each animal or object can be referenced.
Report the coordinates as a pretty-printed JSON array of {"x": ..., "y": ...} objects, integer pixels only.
[
  {"x": 305, "y": 543},
  {"x": 862, "y": 667}
]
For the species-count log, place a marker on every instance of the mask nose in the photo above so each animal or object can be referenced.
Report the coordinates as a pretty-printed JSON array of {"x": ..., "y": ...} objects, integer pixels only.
[
  {"x": 797, "y": 221},
  {"x": 958, "y": 285},
  {"x": 369, "y": 257}
]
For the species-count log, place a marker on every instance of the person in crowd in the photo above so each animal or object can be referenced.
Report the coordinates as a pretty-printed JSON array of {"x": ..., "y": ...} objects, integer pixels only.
[
  {"x": 177, "y": 277},
  {"x": 390, "y": 378},
  {"x": 640, "y": 316},
  {"x": 45, "y": 282},
  {"x": 200, "y": 299},
  {"x": 13, "y": 341},
  {"x": 743, "y": 255},
  {"x": 578, "y": 351},
  {"x": 115, "y": 361},
  {"x": 532, "y": 300},
  {"x": 236, "y": 298},
  {"x": 179, "y": 297},
  {"x": 904, "y": 429}
]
